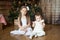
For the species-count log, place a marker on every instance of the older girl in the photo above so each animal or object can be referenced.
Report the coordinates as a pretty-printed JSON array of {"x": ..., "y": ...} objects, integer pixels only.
[{"x": 23, "y": 22}]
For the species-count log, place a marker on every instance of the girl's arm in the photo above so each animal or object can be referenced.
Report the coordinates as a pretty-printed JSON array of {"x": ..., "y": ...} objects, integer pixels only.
[
  {"x": 43, "y": 23},
  {"x": 33, "y": 24}
]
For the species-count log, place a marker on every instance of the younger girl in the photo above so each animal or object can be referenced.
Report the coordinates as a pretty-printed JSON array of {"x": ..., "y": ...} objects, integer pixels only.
[
  {"x": 38, "y": 25},
  {"x": 23, "y": 23}
]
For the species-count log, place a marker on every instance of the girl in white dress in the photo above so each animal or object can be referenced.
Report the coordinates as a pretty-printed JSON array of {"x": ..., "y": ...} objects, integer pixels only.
[
  {"x": 38, "y": 25},
  {"x": 23, "y": 23}
]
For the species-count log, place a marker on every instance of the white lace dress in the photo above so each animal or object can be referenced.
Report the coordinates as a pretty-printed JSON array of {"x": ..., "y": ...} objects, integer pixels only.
[{"x": 24, "y": 23}]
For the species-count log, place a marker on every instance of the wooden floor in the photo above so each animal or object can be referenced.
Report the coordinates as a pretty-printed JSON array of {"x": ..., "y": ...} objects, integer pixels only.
[{"x": 52, "y": 33}]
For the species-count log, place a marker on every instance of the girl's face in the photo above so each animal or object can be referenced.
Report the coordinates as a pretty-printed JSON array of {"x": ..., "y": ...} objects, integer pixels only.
[
  {"x": 38, "y": 18},
  {"x": 23, "y": 11}
]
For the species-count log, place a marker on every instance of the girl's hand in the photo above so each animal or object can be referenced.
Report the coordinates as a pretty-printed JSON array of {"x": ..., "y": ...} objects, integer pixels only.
[
  {"x": 21, "y": 28},
  {"x": 26, "y": 26},
  {"x": 33, "y": 24}
]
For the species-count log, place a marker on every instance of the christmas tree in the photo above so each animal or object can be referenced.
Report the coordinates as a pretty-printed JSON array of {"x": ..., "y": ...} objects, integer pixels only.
[{"x": 16, "y": 4}]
